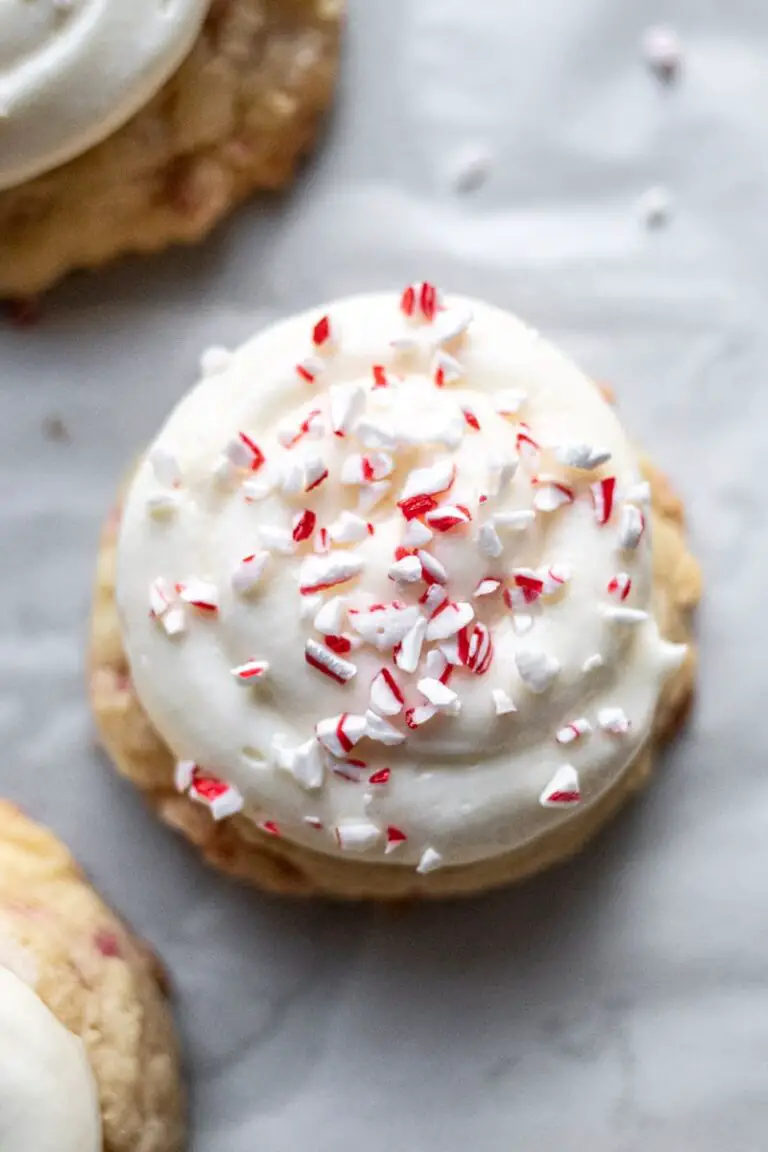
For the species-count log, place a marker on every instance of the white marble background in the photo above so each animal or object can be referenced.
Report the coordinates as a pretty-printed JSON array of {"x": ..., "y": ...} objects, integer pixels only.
[{"x": 620, "y": 1003}]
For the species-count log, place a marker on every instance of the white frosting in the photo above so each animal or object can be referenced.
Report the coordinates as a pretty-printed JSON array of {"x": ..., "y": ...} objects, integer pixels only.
[
  {"x": 462, "y": 786},
  {"x": 48, "y": 1100},
  {"x": 73, "y": 71}
]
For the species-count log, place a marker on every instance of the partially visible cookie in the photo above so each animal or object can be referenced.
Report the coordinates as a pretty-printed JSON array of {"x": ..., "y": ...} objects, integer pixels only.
[
  {"x": 237, "y": 116},
  {"x": 103, "y": 985}
]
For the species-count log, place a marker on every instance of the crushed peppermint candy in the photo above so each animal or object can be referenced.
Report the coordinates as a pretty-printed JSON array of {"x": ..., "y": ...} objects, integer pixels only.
[
  {"x": 328, "y": 662},
  {"x": 502, "y": 702},
  {"x": 563, "y": 789},
  {"x": 573, "y": 730},
  {"x": 613, "y": 720}
]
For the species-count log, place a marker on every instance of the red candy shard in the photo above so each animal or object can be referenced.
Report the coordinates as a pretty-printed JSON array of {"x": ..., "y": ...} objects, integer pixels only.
[
  {"x": 321, "y": 333},
  {"x": 415, "y": 506}
]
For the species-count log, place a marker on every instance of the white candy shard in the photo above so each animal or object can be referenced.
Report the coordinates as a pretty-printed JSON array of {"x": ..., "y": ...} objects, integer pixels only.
[
  {"x": 408, "y": 570},
  {"x": 372, "y": 495},
  {"x": 315, "y": 472},
  {"x": 339, "y": 734},
  {"x": 379, "y": 434},
  {"x": 445, "y": 369},
  {"x": 200, "y": 594},
  {"x": 487, "y": 587},
  {"x": 257, "y": 487},
  {"x": 562, "y": 790},
  {"x": 631, "y": 527},
  {"x": 357, "y": 835},
  {"x": 320, "y": 572},
  {"x": 639, "y": 493},
  {"x": 582, "y": 456},
  {"x": 408, "y": 654},
  {"x": 251, "y": 671},
  {"x": 277, "y": 539},
  {"x": 348, "y": 528},
  {"x": 439, "y": 695},
  {"x": 367, "y": 469},
  {"x": 305, "y": 763},
  {"x": 502, "y": 702},
  {"x": 515, "y": 520},
  {"x": 537, "y": 670},
  {"x": 621, "y": 615},
  {"x": 430, "y": 859},
  {"x": 554, "y": 578},
  {"x": 549, "y": 496},
  {"x": 436, "y": 664},
  {"x": 489, "y": 542},
  {"x": 416, "y": 533},
  {"x": 249, "y": 572},
  {"x": 161, "y": 596},
  {"x": 429, "y": 481},
  {"x": 174, "y": 621},
  {"x": 382, "y": 730},
  {"x": 449, "y": 620},
  {"x": 165, "y": 465},
  {"x": 573, "y": 730},
  {"x": 452, "y": 323},
  {"x": 613, "y": 720},
  {"x": 509, "y": 401},
  {"x": 384, "y": 627},
  {"x": 501, "y": 473},
  {"x": 183, "y": 774},
  {"x": 347, "y": 402},
  {"x": 331, "y": 617},
  {"x": 386, "y": 694}
]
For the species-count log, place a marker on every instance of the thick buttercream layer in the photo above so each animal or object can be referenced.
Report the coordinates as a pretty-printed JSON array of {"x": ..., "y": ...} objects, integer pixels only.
[
  {"x": 564, "y": 634},
  {"x": 73, "y": 71},
  {"x": 48, "y": 1099}
]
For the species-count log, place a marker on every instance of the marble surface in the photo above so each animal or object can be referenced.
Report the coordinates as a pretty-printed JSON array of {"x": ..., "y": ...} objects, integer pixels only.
[{"x": 621, "y": 1002}]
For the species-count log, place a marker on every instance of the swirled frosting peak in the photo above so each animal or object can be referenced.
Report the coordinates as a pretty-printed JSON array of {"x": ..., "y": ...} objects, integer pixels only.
[
  {"x": 385, "y": 583},
  {"x": 73, "y": 71}
]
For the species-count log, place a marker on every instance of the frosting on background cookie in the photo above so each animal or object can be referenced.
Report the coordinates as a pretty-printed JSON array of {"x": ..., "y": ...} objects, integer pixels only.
[
  {"x": 73, "y": 71},
  {"x": 385, "y": 583},
  {"x": 48, "y": 1100}
]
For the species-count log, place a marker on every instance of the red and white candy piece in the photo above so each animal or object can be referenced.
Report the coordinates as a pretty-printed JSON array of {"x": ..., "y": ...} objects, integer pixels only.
[
  {"x": 257, "y": 488},
  {"x": 416, "y": 717},
  {"x": 573, "y": 730},
  {"x": 430, "y": 860},
  {"x": 527, "y": 447},
  {"x": 621, "y": 615},
  {"x": 312, "y": 426},
  {"x": 447, "y": 517},
  {"x": 161, "y": 597},
  {"x": 537, "y": 669},
  {"x": 309, "y": 369},
  {"x": 366, "y": 469},
  {"x": 416, "y": 534},
  {"x": 554, "y": 578},
  {"x": 582, "y": 456},
  {"x": 509, "y": 401},
  {"x": 322, "y": 542},
  {"x": 386, "y": 694},
  {"x": 371, "y": 495},
  {"x": 603, "y": 493},
  {"x": 395, "y": 837},
  {"x": 251, "y": 671},
  {"x": 434, "y": 598},
  {"x": 619, "y": 586},
  {"x": 420, "y": 301},
  {"x": 357, "y": 835},
  {"x": 333, "y": 666},
  {"x": 432, "y": 480},
  {"x": 439, "y": 695},
  {"x": 317, "y": 573},
  {"x": 613, "y": 720},
  {"x": 201, "y": 595},
  {"x": 631, "y": 527},
  {"x": 432, "y": 570},
  {"x": 502, "y": 702},
  {"x": 249, "y": 572},
  {"x": 381, "y": 730},
  {"x": 325, "y": 334},
  {"x": 315, "y": 473},
  {"x": 347, "y": 403},
  {"x": 244, "y": 453},
  {"x": 406, "y": 570},
  {"x": 349, "y": 528},
  {"x": 487, "y": 586},
  {"x": 525, "y": 588},
  {"x": 550, "y": 494},
  {"x": 220, "y": 798},
  {"x": 408, "y": 651},
  {"x": 314, "y": 822},
  {"x": 384, "y": 625},
  {"x": 446, "y": 369},
  {"x": 476, "y": 648},
  {"x": 339, "y": 734},
  {"x": 562, "y": 790},
  {"x": 303, "y": 525},
  {"x": 437, "y": 666},
  {"x": 380, "y": 776},
  {"x": 449, "y": 619},
  {"x": 470, "y": 419}
]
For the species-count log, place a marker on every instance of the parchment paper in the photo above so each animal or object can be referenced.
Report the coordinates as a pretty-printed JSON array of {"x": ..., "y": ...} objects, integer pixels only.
[{"x": 620, "y": 1003}]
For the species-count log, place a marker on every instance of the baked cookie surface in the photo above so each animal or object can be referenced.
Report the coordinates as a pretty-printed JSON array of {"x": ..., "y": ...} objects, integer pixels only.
[
  {"x": 97, "y": 979},
  {"x": 236, "y": 117}
]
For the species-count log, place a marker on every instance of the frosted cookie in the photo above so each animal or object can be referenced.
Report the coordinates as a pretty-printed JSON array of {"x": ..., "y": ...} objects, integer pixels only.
[
  {"x": 392, "y": 606},
  {"x": 126, "y": 127},
  {"x": 87, "y": 1051}
]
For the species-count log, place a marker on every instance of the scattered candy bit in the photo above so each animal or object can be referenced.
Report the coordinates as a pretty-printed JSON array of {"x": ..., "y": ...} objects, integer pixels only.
[
  {"x": 470, "y": 419},
  {"x": 537, "y": 670},
  {"x": 554, "y": 579},
  {"x": 476, "y": 648},
  {"x": 372, "y": 495},
  {"x": 315, "y": 473},
  {"x": 378, "y": 729},
  {"x": 330, "y": 618},
  {"x": 449, "y": 619},
  {"x": 613, "y": 720},
  {"x": 329, "y": 663},
  {"x": 357, "y": 835},
  {"x": 309, "y": 369},
  {"x": 582, "y": 456},
  {"x": 439, "y": 695},
  {"x": 415, "y": 717},
  {"x": 509, "y": 401},
  {"x": 432, "y": 570},
  {"x": 489, "y": 542},
  {"x": 386, "y": 694},
  {"x": 201, "y": 595},
  {"x": 631, "y": 527},
  {"x": 408, "y": 652},
  {"x": 433, "y": 480},
  {"x": 420, "y": 300},
  {"x": 562, "y": 790},
  {"x": 318, "y": 573},
  {"x": 502, "y": 703},
  {"x": 407, "y": 570},
  {"x": 395, "y": 837},
  {"x": 339, "y": 734},
  {"x": 430, "y": 859},
  {"x": 347, "y": 405},
  {"x": 416, "y": 534},
  {"x": 619, "y": 586},
  {"x": 349, "y": 528},
  {"x": 366, "y": 469},
  {"x": 304, "y": 525},
  {"x": 250, "y": 671},
  {"x": 527, "y": 447},
  {"x": 304, "y": 763},
  {"x": 244, "y": 453},
  {"x": 603, "y": 492},
  {"x": 384, "y": 625},
  {"x": 324, "y": 333},
  {"x": 446, "y": 369},
  {"x": 165, "y": 466},
  {"x": 515, "y": 521},
  {"x": 551, "y": 495},
  {"x": 487, "y": 586},
  {"x": 622, "y": 615},
  {"x": 220, "y": 798},
  {"x": 447, "y": 517},
  {"x": 573, "y": 730}
]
